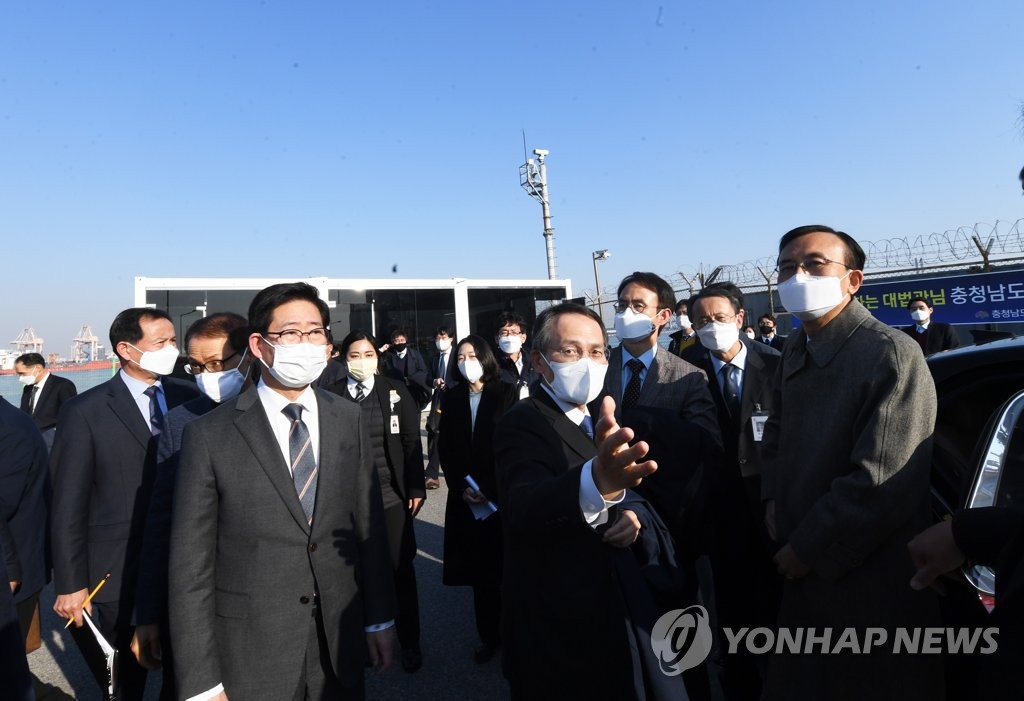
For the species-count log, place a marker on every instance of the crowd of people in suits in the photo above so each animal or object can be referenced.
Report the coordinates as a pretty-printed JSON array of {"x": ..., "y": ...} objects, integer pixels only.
[{"x": 592, "y": 490}]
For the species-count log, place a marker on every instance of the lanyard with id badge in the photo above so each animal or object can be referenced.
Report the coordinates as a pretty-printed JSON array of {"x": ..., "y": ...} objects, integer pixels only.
[{"x": 757, "y": 421}]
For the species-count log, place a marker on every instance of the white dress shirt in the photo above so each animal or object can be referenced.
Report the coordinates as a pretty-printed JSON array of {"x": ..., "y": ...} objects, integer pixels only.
[
  {"x": 367, "y": 386},
  {"x": 138, "y": 390},
  {"x": 39, "y": 392}
]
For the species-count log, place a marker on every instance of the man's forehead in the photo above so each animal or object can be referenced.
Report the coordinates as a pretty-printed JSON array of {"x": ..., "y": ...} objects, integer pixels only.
[
  {"x": 154, "y": 327},
  {"x": 514, "y": 328},
  {"x": 817, "y": 242},
  {"x": 634, "y": 291},
  {"x": 712, "y": 304},
  {"x": 576, "y": 328}
]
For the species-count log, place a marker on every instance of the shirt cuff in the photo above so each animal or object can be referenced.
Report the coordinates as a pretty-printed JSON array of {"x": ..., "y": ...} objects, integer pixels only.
[
  {"x": 378, "y": 627},
  {"x": 593, "y": 505},
  {"x": 207, "y": 695}
]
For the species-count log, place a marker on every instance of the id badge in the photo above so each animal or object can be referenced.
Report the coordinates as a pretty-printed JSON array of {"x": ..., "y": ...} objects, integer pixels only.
[
  {"x": 757, "y": 421},
  {"x": 394, "y": 424}
]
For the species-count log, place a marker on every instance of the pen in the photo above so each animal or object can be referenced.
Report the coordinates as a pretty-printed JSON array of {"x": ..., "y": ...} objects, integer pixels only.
[{"x": 89, "y": 598}]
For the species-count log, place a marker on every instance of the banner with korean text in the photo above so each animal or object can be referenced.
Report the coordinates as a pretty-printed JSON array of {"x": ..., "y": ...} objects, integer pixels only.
[{"x": 982, "y": 298}]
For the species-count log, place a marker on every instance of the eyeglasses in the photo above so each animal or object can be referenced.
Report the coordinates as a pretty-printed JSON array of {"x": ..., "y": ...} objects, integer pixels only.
[
  {"x": 703, "y": 321},
  {"x": 505, "y": 333},
  {"x": 636, "y": 305},
  {"x": 570, "y": 354},
  {"x": 811, "y": 266},
  {"x": 194, "y": 368},
  {"x": 289, "y": 337}
]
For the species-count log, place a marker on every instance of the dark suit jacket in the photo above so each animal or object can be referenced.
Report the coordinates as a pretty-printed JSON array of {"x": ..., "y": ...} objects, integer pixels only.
[
  {"x": 758, "y": 388},
  {"x": 23, "y": 486},
  {"x": 56, "y": 390},
  {"x": 676, "y": 416},
  {"x": 245, "y": 564},
  {"x": 14, "y": 672},
  {"x": 452, "y": 379},
  {"x": 563, "y": 626},
  {"x": 151, "y": 596},
  {"x": 102, "y": 468},
  {"x": 777, "y": 342},
  {"x": 511, "y": 374},
  {"x": 472, "y": 549},
  {"x": 404, "y": 450},
  {"x": 940, "y": 337},
  {"x": 416, "y": 375}
]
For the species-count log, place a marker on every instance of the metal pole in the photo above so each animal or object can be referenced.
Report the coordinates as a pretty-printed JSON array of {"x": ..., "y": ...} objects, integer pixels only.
[
  {"x": 597, "y": 283},
  {"x": 545, "y": 204}
]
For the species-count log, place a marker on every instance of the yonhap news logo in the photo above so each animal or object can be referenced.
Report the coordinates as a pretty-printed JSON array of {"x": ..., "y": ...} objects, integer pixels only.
[{"x": 681, "y": 639}]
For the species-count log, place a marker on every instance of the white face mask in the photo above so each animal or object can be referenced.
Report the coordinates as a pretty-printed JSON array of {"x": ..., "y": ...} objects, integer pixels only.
[
  {"x": 362, "y": 368},
  {"x": 443, "y": 344},
  {"x": 684, "y": 321},
  {"x": 719, "y": 336},
  {"x": 510, "y": 344},
  {"x": 810, "y": 297},
  {"x": 298, "y": 365},
  {"x": 577, "y": 383},
  {"x": 28, "y": 380},
  {"x": 471, "y": 369},
  {"x": 919, "y": 315},
  {"x": 633, "y": 326},
  {"x": 222, "y": 386},
  {"x": 158, "y": 362}
]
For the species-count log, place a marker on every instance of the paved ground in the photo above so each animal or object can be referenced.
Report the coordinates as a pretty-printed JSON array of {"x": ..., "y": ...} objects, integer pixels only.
[{"x": 449, "y": 637}]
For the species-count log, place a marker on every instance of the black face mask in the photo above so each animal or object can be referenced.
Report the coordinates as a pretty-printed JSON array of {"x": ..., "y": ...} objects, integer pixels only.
[
  {"x": 767, "y": 330},
  {"x": 399, "y": 347}
]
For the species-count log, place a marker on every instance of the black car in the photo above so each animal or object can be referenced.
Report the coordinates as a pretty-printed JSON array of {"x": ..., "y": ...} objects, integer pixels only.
[{"x": 978, "y": 461}]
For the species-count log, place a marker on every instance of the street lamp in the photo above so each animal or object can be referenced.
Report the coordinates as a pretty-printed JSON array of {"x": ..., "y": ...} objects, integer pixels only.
[{"x": 603, "y": 254}]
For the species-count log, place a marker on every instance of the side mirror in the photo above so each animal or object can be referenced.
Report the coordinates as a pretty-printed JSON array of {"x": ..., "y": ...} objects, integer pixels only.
[{"x": 985, "y": 488}]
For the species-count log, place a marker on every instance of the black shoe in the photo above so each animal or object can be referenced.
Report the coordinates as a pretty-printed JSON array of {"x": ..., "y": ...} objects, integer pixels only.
[
  {"x": 485, "y": 651},
  {"x": 432, "y": 483},
  {"x": 412, "y": 660}
]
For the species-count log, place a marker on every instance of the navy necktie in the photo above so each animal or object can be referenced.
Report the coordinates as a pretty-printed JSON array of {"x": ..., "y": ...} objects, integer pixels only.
[
  {"x": 587, "y": 426},
  {"x": 156, "y": 414},
  {"x": 731, "y": 375},
  {"x": 360, "y": 392},
  {"x": 632, "y": 394},
  {"x": 303, "y": 464}
]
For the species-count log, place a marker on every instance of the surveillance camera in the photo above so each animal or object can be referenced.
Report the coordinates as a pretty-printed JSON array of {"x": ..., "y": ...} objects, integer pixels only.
[{"x": 540, "y": 152}]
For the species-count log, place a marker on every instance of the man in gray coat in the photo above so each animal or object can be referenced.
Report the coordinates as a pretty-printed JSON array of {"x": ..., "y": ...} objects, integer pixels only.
[
  {"x": 280, "y": 580},
  {"x": 845, "y": 477}
]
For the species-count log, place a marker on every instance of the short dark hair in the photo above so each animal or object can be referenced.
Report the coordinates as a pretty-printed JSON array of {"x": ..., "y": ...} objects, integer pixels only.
[
  {"x": 31, "y": 360},
  {"x": 723, "y": 289},
  {"x": 127, "y": 326},
  {"x": 509, "y": 318},
  {"x": 769, "y": 317},
  {"x": 234, "y": 326},
  {"x": 683, "y": 303},
  {"x": 654, "y": 283},
  {"x": 442, "y": 330},
  {"x": 855, "y": 257},
  {"x": 492, "y": 373},
  {"x": 399, "y": 332},
  {"x": 545, "y": 322},
  {"x": 270, "y": 298},
  {"x": 919, "y": 299},
  {"x": 357, "y": 335}
]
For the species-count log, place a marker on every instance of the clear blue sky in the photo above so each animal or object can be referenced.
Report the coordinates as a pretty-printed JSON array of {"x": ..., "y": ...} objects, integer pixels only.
[{"x": 340, "y": 138}]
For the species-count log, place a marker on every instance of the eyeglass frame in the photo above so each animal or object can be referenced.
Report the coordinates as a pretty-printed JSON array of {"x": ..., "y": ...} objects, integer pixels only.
[
  {"x": 301, "y": 335},
  {"x": 703, "y": 321},
  {"x": 605, "y": 353},
  {"x": 816, "y": 262},
  {"x": 190, "y": 367}
]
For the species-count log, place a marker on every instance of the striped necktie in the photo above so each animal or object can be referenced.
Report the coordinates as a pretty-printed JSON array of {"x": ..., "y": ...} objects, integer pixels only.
[{"x": 303, "y": 464}]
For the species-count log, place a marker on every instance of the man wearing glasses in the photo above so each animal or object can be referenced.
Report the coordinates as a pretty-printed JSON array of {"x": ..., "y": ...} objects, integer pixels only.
[
  {"x": 845, "y": 474},
  {"x": 574, "y": 609},
  {"x": 280, "y": 577}
]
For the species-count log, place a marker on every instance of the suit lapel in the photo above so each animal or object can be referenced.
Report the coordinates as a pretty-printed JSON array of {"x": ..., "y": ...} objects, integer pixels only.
[
  {"x": 571, "y": 434},
  {"x": 252, "y": 423},
  {"x": 123, "y": 405}
]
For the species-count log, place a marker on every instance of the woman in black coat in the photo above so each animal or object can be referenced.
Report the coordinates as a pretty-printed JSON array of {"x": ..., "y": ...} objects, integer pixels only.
[
  {"x": 473, "y": 548},
  {"x": 393, "y": 418}
]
